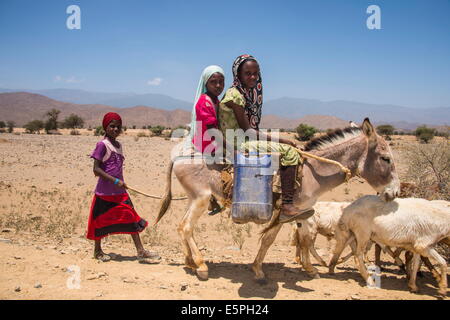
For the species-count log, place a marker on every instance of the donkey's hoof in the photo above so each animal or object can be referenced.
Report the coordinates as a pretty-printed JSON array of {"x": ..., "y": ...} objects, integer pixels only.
[
  {"x": 442, "y": 293},
  {"x": 202, "y": 275},
  {"x": 261, "y": 281},
  {"x": 414, "y": 289}
]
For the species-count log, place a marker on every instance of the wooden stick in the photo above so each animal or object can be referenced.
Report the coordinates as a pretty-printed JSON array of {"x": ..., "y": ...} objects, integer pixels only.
[{"x": 152, "y": 196}]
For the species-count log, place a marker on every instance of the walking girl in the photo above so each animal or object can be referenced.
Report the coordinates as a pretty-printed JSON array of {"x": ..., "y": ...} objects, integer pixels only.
[{"x": 112, "y": 211}]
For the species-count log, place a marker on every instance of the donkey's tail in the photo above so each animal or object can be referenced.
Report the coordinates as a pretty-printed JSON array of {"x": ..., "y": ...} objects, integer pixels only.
[{"x": 167, "y": 197}]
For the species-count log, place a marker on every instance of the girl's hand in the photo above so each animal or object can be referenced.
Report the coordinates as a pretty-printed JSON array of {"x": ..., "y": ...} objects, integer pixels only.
[{"x": 121, "y": 184}]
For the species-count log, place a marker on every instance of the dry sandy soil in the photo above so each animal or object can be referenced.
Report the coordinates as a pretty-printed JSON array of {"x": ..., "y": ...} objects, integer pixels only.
[{"x": 45, "y": 193}]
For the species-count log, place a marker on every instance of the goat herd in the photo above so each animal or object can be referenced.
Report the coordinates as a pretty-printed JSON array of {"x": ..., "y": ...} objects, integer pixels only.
[{"x": 412, "y": 225}]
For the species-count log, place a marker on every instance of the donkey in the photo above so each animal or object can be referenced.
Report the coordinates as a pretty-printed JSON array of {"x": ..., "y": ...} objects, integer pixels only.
[{"x": 360, "y": 149}]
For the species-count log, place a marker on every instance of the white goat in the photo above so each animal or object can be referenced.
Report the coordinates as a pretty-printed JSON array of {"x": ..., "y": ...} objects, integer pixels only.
[
  {"x": 324, "y": 222},
  {"x": 413, "y": 224}
]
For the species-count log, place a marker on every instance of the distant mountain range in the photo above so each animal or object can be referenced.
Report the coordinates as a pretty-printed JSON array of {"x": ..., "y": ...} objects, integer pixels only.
[
  {"x": 119, "y": 100},
  {"x": 278, "y": 113}
]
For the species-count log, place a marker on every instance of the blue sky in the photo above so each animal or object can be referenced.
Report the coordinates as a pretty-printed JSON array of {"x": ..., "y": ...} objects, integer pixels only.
[{"x": 307, "y": 49}]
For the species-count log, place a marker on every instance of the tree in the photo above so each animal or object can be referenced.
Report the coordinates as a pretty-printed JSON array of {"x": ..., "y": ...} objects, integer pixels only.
[
  {"x": 34, "y": 126},
  {"x": 10, "y": 125},
  {"x": 385, "y": 130},
  {"x": 73, "y": 122},
  {"x": 305, "y": 132},
  {"x": 52, "y": 121},
  {"x": 2, "y": 124},
  {"x": 425, "y": 134},
  {"x": 157, "y": 130}
]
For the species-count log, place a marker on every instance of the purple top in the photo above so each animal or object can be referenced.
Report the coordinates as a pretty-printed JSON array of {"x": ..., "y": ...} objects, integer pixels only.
[{"x": 112, "y": 166}]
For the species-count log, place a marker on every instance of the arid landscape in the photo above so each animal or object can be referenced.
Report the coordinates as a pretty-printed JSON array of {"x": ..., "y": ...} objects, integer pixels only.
[{"x": 46, "y": 189}]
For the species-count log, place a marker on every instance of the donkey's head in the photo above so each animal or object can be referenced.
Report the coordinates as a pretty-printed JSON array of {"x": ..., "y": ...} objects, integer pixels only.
[{"x": 377, "y": 164}]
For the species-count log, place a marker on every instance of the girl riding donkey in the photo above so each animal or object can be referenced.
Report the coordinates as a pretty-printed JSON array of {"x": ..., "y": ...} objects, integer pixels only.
[
  {"x": 204, "y": 117},
  {"x": 241, "y": 108}
]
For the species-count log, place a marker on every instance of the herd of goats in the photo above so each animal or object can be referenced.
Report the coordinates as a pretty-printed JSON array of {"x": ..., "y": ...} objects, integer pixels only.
[{"x": 412, "y": 225}]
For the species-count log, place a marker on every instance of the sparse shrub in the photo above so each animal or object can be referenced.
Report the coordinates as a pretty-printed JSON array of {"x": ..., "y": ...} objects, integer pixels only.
[
  {"x": 305, "y": 132},
  {"x": 2, "y": 124},
  {"x": 10, "y": 125},
  {"x": 238, "y": 234},
  {"x": 99, "y": 131},
  {"x": 425, "y": 134},
  {"x": 429, "y": 170},
  {"x": 34, "y": 126},
  {"x": 157, "y": 130},
  {"x": 134, "y": 127},
  {"x": 74, "y": 132}
]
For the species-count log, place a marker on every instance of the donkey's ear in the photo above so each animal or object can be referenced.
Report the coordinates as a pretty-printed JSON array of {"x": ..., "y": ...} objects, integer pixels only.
[{"x": 368, "y": 129}]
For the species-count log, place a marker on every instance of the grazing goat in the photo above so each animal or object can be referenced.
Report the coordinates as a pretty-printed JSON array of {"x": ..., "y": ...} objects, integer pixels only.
[{"x": 413, "y": 224}]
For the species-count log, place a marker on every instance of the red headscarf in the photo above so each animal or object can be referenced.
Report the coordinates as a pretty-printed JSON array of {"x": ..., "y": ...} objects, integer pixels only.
[{"x": 110, "y": 116}]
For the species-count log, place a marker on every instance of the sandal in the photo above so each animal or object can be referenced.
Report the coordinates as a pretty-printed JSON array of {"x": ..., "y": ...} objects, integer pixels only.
[
  {"x": 103, "y": 257},
  {"x": 149, "y": 257}
]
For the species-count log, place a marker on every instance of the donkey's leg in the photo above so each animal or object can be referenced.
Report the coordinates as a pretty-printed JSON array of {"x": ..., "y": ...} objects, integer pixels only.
[
  {"x": 188, "y": 260},
  {"x": 266, "y": 241},
  {"x": 186, "y": 229}
]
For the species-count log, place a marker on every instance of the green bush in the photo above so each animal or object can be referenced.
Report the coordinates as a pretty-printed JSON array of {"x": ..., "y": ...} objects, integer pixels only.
[
  {"x": 157, "y": 130},
  {"x": 34, "y": 126},
  {"x": 305, "y": 132},
  {"x": 73, "y": 122},
  {"x": 385, "y": 130},
  {"x": 99, "y": 131},
  {"x": 425, "y": 134}
]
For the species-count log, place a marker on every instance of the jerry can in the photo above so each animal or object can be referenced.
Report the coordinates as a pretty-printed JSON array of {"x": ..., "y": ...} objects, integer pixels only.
[{"x": 252, "y": 188}]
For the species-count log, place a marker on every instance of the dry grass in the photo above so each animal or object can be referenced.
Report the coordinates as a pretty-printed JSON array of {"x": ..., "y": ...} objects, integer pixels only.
[{"x": 44, "y": 212}]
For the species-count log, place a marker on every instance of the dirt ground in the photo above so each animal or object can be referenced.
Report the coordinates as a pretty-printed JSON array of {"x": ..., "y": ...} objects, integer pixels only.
[{"x": 46, "y": 185}]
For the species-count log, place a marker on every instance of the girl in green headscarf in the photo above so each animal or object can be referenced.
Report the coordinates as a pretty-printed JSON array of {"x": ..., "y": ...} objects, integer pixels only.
[{"x": 241, "y": 108}]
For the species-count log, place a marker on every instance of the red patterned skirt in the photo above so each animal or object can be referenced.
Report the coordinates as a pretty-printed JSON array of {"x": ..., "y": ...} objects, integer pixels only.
[{"x": 113, "y": 215}]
